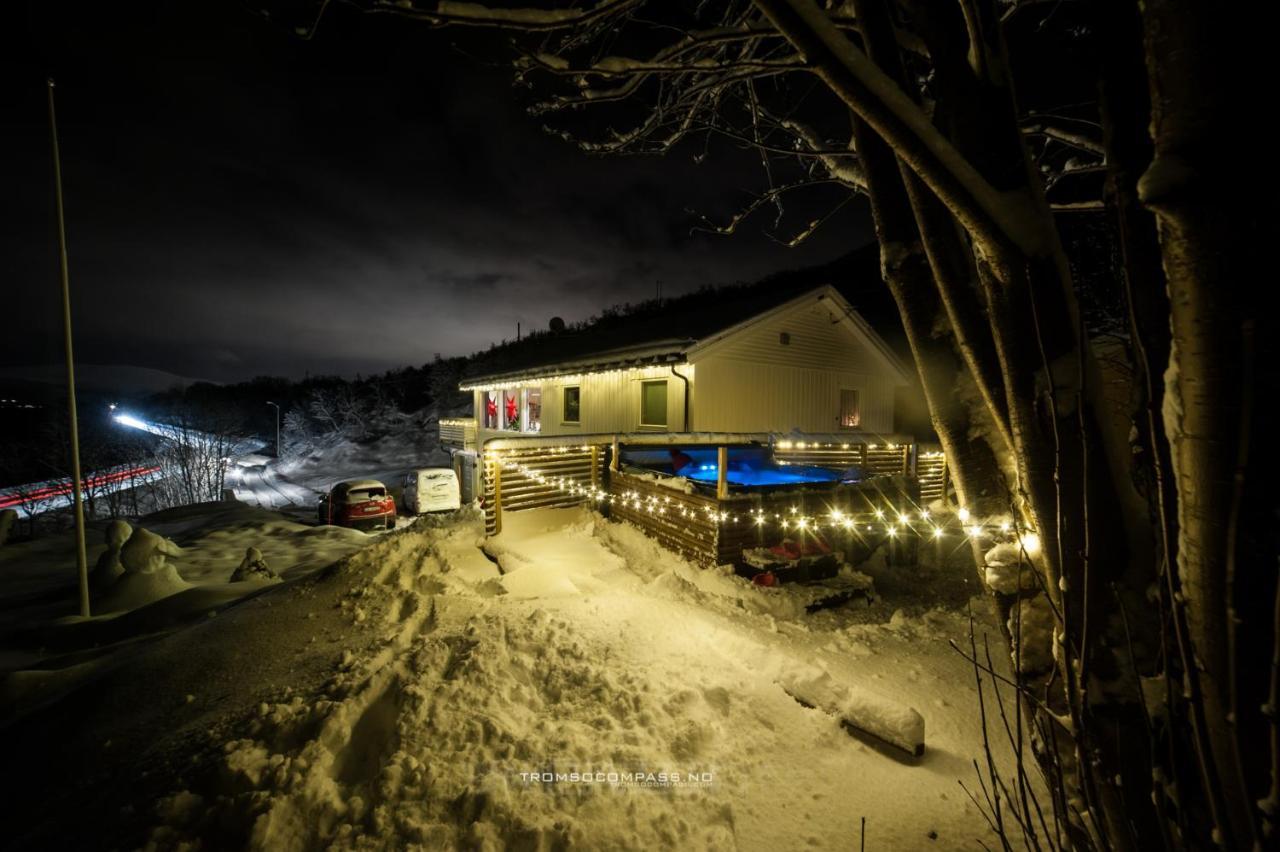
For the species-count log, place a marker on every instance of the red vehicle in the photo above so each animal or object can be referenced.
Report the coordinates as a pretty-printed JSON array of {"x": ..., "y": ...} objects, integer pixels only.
[{"x": 359, "y": 503}]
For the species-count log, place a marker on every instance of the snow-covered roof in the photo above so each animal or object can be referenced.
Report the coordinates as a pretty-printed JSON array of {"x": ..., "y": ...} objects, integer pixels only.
[{"x": 707, "y": 328}]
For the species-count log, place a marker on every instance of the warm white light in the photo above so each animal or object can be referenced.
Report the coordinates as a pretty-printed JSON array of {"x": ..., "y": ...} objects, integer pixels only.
[
  {"x": 903, "y": 517},
  {"x": 937, "y": 532},
  {"x": 975, "y": 531},
  {"x": 963, "y": 515},
  {"x": 1030, "y": 543},
  {"x": 879, "y": 513},
  {"x": 1004, "y": 526}
]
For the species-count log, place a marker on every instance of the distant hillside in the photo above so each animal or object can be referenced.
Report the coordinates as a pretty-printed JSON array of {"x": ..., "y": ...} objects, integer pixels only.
[
  {"x": 108, "y": 378},
  {"x": 694, "y": 315}
]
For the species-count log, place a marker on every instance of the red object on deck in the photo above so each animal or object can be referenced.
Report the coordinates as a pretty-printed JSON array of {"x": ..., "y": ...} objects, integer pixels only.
[{"x": 765, "y": 578}]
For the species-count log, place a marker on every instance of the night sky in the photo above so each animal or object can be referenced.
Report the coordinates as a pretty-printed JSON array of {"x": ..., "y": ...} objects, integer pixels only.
[{"x": 241, "y": 202}]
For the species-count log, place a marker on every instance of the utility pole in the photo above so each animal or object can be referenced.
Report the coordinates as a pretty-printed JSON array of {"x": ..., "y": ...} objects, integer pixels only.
[
  {"x": 82, "y": 561},
  {"x": 277, "y": 408}
]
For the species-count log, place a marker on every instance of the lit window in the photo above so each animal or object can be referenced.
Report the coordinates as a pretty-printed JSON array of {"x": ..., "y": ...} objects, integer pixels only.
[
  {"x": 533, "y": 410},
  {"x": 653, "y": 403},
  {"x": 850, "y": 414},
  {"x": 511, "y": 410},
  {"x": 572, "y": 405}
]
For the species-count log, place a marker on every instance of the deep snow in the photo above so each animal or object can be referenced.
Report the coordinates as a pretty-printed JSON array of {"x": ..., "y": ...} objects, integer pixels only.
[{"x": 421, "y": 690}]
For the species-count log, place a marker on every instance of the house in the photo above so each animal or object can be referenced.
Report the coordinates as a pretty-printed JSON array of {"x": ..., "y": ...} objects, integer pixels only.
[{"x": 810, "y": 364}]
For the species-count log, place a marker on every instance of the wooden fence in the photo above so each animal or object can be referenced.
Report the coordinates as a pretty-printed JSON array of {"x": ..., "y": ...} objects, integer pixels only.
[
  {"x": 710, "y": 531},
  {"x": 538, "y": 477}
]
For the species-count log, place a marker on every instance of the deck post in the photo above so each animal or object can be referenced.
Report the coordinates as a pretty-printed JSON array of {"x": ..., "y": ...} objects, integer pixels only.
[
  {"x": 497, "y": 496},
  {"x": 722, "y": 470}
]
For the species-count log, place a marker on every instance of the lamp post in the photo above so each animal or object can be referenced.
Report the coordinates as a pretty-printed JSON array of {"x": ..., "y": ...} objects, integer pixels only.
[
  {"x": 277, "y": 408},
  {"x": 82, "y": 563}
]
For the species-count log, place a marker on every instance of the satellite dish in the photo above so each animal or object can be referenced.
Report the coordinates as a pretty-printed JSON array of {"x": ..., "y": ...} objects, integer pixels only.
[{"x": 557, "y": 324}]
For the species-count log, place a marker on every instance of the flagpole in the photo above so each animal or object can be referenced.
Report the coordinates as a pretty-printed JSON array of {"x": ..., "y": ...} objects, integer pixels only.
[{"x": 82, "y": 561}]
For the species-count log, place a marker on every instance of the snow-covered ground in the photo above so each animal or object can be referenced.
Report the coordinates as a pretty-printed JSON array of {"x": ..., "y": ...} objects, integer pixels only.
[{"x": 427, "y": 689}]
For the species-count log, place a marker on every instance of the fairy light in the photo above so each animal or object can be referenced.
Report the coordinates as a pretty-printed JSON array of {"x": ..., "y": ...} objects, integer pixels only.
[
  {"x": 1004, "y": 526},
  {"x": 963, "y": 515},
  {"x": 1030, "y": 543}
]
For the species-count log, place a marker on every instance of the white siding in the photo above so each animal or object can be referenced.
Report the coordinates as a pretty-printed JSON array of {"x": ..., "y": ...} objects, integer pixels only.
[
  {"x": 753, "y": 382},
  {"x": 610, "y": 402}
]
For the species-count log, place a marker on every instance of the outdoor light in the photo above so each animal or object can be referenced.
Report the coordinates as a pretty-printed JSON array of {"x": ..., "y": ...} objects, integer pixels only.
[
  {"x": 1004, "y": 526},
  {"x": 1030, "y": 543},
  {"x": 903, "y": 517},
  {"x": 975, "y": 531},
  {"x": 963, "y": 515},
  {"x": 130, "y": 421},
  {"x": 937, "y": 532}
]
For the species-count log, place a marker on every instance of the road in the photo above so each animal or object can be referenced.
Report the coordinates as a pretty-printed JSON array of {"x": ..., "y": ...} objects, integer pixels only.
[{"x": 261, "y": 485}]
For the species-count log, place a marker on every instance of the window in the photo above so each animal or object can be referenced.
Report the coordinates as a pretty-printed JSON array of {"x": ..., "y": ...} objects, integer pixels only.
[
  {"x": 653, "y": 403},
  {"x": 572, "y": 405},
  {"x": 533, "y": 410},
  {"x": 850, "y": 415},
  {"x": 511, "y": 410},
  {"x": 490, "y": 410}
]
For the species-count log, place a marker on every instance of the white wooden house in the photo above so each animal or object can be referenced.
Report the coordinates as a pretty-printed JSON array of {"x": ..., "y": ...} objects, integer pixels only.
[{"x": 810, "y": 363}]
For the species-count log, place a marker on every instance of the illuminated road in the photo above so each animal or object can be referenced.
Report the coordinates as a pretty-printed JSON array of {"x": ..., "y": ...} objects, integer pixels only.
[
  {"x": 261, "y": 485},
  {"x": 38, "y": 497}
]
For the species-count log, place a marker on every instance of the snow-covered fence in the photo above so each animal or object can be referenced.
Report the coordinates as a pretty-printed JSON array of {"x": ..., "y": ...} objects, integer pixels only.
[{"x": 458, "y": 432}]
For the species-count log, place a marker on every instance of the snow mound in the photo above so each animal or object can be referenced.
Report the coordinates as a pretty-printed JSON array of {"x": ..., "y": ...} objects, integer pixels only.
[
  {"x": 887, "y": 720},
  {"x": 147, "y": 575}
]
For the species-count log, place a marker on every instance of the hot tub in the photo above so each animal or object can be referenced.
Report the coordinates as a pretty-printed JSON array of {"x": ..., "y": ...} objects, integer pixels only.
[{"x": 748, "y": 467}]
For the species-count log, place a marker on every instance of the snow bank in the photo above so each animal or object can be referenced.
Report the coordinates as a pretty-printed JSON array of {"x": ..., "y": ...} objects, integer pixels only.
[{"x": 887, "y": 720}]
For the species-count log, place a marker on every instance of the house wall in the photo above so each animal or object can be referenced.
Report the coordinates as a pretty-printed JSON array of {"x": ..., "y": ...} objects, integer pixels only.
[
  {"x": 752, "y": 382},
  {"x": 610, "y": 403}
]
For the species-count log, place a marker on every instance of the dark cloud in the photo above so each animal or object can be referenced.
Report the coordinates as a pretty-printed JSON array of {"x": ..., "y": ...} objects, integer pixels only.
[{"x": 242, "y": 202}]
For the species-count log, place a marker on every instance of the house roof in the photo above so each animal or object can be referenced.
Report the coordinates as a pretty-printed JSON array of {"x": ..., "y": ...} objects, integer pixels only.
[{"x": 667, "y": 331}]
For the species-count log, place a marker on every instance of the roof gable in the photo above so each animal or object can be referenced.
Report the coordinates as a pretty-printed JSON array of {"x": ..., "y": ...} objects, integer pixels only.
[{"x": 837, "y": 310}]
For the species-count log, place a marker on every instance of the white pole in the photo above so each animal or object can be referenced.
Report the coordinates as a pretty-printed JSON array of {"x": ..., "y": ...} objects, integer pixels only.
[{"x": 82, "y": 561}]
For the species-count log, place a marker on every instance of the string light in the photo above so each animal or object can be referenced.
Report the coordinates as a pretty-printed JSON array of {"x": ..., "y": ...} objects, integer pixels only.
[{"x": 836, "y": 519}]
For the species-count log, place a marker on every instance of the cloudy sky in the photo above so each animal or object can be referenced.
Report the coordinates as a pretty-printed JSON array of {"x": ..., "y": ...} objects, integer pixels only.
[{"x": 242, "y": 202}]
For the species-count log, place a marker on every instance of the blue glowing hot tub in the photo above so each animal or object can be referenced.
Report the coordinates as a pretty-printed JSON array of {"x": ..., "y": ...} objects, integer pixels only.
[{"x": 749, "y": 467}]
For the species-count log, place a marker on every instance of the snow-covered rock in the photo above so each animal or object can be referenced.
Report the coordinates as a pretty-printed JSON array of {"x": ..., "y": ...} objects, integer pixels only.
[
  {"x": 108, "y": 568},
  {"x": 253, "y": 567},
  {"x": 147, "y": 576}
]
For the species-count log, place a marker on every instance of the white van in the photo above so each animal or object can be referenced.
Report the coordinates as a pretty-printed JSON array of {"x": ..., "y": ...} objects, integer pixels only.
[{"x": 431, "y": 489}]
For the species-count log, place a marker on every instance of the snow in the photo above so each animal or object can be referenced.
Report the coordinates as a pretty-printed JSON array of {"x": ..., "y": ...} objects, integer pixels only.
[
  {"x": 862, "y": 709},
  {"x": 568, "y": 683},
  {"x": 1006, "y": 571}
]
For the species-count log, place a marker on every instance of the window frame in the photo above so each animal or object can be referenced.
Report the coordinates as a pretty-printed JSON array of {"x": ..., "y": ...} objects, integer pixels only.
[
  {"x": 666, "y": 413},
  {"x": 564, "y": 403},
  {"x": 857, "y": 409}
]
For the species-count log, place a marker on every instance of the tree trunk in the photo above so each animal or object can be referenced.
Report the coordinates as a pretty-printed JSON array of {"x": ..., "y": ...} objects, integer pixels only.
[{"x": 1209, "y": 235}]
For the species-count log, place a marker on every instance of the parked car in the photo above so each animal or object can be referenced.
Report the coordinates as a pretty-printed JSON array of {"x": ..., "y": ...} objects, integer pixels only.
[
  {"x": 358, "y": 503},
  {"x": 431, "y": 489}
]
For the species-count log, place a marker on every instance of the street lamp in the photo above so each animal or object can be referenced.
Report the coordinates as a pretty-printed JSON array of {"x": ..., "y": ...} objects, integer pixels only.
[{"x": 277, "y": 408}]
